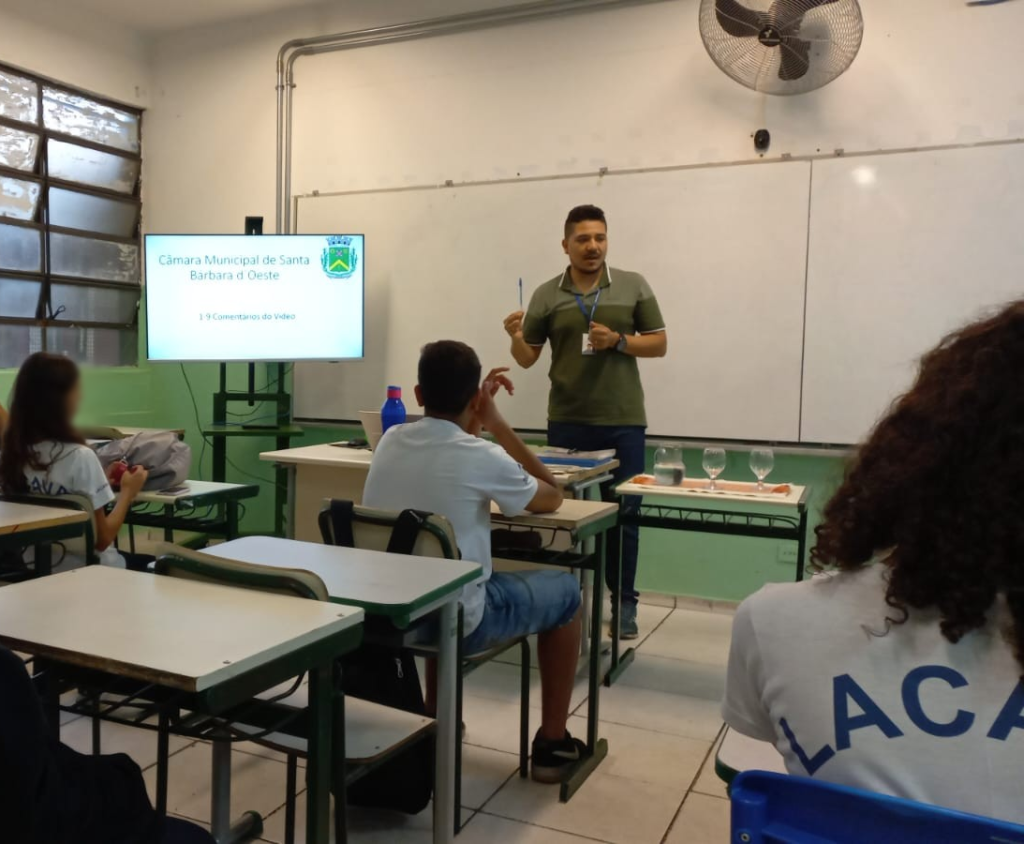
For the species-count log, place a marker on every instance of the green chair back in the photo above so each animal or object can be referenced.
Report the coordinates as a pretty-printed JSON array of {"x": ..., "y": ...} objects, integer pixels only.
[
  {"x": 175, "y": 561},
  {"x": 372, "y": 529}
]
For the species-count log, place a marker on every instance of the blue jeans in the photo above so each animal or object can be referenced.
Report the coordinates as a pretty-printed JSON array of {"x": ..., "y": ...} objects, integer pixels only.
[
  {"x": 629, "y": 443},
  {"x": 523, "y": 602}
]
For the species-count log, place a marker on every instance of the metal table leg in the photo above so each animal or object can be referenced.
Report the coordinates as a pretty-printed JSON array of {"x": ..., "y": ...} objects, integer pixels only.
[
  {"x": 321, "y": 756},
  {"x": 444, "y": 762},
  {"x": 250, "y": 824},
  {"x": 801, "y": 546},
  {"x": 169, "y": 531},
  {"x": 43, "y": 559},
  {"x": 289, "y": 507},
  {"x": 597, "y": 747},
  {"x": 232, "y": 519},
  {"x": 619, "y": 662}
]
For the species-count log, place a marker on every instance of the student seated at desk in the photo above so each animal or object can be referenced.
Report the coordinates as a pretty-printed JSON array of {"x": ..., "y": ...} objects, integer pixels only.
[
  {"x": 900, "y": 671},
  {"x": 441, "y": 465},
  {"x": 42, "y": 454}
]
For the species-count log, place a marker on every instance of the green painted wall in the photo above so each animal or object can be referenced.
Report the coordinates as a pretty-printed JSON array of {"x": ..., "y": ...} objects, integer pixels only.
[{"x": 721, "y": 568}]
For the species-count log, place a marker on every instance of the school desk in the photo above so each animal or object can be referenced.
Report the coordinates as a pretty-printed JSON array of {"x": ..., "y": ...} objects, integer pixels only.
[
  {"x": 210, "y": 647},
  {"x": 317, "y": 472},
  {"x": 201, "y": 506},
  {"x": 396, "y": 591},
  {"x": 24, "y": 525},
  {"x": 737, "y": 509},
  {"x": 580, "y": 525}
]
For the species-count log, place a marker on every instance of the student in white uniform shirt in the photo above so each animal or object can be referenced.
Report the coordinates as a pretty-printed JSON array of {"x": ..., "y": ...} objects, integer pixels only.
[
  {"x": 900, "y": 671},
  {"x": 441, "y": 465},
  {"x": 42, "y": 454}
]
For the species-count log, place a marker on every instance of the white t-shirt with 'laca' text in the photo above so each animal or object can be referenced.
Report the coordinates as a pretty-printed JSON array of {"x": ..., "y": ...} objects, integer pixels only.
[{"x": 850, "y": 698}]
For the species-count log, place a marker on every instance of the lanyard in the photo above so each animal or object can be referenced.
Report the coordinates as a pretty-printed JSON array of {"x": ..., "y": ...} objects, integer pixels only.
[
  {"x": 597, "y": 298},
  {"x": 593, "y": 309}
]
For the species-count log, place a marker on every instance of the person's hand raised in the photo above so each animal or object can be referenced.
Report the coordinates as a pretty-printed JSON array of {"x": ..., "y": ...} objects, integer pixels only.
[
  {"x": 514, "y": 324},
  {"x": 487, "y": 414}
]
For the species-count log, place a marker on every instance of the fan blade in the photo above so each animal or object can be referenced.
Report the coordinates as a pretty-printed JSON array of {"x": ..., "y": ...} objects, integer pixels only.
[
  {"x": 788, "y": 15},
  {"x": 796, "y": 59},
  {"x": 737, "y": 20}
]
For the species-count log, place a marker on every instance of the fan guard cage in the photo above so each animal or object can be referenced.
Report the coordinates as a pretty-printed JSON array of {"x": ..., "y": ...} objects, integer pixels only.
[{"x": 832, "y": 29}]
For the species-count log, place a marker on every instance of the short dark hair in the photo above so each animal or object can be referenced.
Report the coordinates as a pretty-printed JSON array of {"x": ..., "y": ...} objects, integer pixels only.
[
  {"x": 449, "y": 376},
  {"x": 581, "y": 213}
]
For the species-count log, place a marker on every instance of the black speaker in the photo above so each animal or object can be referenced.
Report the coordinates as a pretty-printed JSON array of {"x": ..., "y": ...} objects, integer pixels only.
[{"x": 254, "y": 225}]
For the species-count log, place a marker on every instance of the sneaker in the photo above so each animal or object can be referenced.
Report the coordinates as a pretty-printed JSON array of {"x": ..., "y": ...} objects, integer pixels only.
[
  {"x": 553, "y": 761},
  {"x": 629, "y": 629}
]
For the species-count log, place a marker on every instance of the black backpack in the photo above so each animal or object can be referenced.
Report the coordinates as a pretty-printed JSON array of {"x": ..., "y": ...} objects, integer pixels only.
[{"x": 388, "y": 675}]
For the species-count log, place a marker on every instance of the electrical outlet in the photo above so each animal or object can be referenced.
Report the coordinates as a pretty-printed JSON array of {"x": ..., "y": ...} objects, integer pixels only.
[{"x": 787, "y": 553}]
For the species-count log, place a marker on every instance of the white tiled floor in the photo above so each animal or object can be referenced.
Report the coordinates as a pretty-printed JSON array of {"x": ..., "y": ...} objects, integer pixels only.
[{"x": 657, "y": 786}]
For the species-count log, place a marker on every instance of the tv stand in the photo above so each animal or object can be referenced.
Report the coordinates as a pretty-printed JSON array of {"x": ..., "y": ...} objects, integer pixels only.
[{"x": 283, "y": 431}]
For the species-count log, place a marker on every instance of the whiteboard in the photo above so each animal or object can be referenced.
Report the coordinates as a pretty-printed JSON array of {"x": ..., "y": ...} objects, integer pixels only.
[
  {"x": 724, "y": 249},
  {"x": 903, "y": 249}
]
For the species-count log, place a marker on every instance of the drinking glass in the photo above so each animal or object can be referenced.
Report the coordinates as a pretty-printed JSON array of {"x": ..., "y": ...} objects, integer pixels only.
[
  {"x": 714, "y": 464},
  {"x": 762, "y": 461},
  {"x": 669, "y": 469}
]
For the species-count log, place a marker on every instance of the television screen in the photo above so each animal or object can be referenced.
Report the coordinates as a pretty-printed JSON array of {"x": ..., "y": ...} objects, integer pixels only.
[{"x": 254, "y": 298}]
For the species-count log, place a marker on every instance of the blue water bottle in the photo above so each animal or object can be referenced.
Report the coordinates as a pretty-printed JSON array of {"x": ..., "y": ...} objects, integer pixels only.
[{"x": 393, "y": 411}]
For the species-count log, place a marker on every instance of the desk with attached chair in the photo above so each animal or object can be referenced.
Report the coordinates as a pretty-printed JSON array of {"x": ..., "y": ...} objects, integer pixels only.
[
  {"x": 236, "y": 644},
  {"x": 205, "y": 507},
  {"x": 397, "y": 591},
  {"x": 38, "y": 522}
]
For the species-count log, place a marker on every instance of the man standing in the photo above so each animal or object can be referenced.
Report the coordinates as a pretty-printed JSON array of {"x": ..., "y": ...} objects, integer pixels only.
[{"x": 599, "y": 320}]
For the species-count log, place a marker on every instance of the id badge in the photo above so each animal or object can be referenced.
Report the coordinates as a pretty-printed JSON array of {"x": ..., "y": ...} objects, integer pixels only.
[{"x": 588, "y": 348}]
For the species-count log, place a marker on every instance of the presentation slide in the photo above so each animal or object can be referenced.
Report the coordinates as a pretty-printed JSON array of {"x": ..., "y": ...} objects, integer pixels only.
[{"x": 254, "y": 298}]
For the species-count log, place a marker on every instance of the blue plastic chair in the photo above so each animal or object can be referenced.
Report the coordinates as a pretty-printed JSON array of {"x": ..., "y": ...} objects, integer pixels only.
[{"x": 779, "y": 809}]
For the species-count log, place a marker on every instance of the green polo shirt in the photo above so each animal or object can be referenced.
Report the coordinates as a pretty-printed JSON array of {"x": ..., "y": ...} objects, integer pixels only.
[{"x": 603, "y": 388}]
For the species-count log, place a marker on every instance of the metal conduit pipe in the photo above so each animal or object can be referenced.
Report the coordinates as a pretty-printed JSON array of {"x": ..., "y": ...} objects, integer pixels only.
[{"x": 292, "y": 50}]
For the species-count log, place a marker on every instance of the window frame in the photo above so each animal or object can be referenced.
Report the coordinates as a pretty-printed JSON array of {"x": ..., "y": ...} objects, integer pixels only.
[{"x": 45, "y": 319}]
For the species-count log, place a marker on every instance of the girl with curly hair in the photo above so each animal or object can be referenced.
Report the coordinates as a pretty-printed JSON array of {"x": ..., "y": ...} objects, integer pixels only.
[{"x": 898, "y": 667}]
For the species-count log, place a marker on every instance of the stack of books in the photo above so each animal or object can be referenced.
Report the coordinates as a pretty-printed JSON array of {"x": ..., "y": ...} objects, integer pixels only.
[{"x": 570, "y": 457}]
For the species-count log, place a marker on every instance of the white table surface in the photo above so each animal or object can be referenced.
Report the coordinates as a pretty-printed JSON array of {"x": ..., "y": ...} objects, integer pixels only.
[
  {"x": 572, "y": 515},
  {"x": 398, "y": 581},
  {"x": 355, "y": 458},
  {"x": 17, "y": 518},
  {"x": 179, "y": 633},
  {"x": 191, "y": 489},
  {"x": 321, "y": 455},
  {"x": 702, "y": 493}
]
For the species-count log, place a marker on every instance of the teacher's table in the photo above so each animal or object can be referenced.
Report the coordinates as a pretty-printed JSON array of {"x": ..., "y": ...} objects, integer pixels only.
[
  {"x": 209, "y": 647},
  {"x": 395, "y": 591},
  {"x": 736, "y": 508},
  {"x": 576, "y": 522},
  {"x": 38, "y": 526},
  {"x": 317, "y": 472},
  {"x": 201, "y": 506}
]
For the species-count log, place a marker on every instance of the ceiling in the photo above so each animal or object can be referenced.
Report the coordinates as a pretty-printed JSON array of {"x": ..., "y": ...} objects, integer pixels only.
[{"x": 152, "y": 17}]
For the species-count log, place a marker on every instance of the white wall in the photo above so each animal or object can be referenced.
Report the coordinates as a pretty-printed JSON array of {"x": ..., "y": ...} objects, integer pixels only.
[
  {"x": 63, "y": 43},
  {"x": 631, "y": 88}
]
